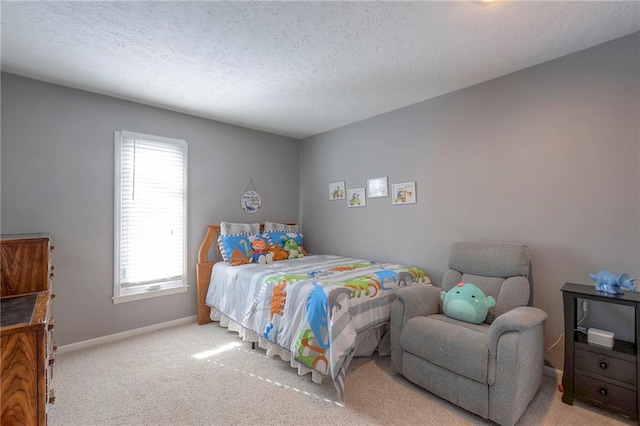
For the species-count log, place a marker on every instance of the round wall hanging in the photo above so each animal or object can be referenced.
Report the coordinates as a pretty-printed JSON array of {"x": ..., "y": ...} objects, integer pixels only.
[{"x": 250, "y": 200}]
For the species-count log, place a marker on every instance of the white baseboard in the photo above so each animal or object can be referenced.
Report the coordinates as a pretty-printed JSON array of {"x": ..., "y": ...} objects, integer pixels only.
[
  {"x": 125, "y": 334},
  {"x": 548, "y": 371},
  {"x": 553, "y": 373}
]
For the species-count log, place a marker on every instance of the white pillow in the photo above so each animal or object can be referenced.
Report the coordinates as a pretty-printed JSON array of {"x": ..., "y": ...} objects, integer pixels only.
[
  {"x": 281, "y": 227},
  {"x": 230, "y": 228}
]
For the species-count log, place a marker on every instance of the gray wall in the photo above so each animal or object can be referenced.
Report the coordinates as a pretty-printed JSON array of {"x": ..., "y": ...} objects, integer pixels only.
[
  {"x": 58, "y": 176},
  {"x": 548, "y": 156}
]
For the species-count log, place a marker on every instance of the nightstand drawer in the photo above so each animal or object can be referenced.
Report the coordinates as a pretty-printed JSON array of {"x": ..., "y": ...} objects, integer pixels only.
[
  {"x": 606, "y": 395},
  {"x": 606, "y": 366}
]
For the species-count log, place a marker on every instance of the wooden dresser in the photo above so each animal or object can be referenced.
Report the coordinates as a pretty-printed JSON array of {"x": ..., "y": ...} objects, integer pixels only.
[{"x": 26, "y": 332}]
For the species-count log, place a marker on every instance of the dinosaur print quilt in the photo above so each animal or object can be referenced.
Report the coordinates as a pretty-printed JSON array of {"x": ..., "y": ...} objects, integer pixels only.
[{"x": 314, "y": 307}]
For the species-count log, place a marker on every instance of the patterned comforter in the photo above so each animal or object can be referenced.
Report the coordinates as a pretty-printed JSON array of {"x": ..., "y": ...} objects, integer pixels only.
[{"x": 314, "y": 306}]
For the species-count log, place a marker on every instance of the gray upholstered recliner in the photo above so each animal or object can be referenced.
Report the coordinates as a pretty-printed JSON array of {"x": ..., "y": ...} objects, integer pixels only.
[{"x": 493, "y": 369}]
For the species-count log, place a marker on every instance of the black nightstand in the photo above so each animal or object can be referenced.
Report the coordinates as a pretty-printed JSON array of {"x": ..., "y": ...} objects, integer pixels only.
[{"x": 607, "y": 378}]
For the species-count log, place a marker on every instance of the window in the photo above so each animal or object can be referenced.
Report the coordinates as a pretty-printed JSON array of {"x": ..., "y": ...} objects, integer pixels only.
[{"x": 150, "y": 215}]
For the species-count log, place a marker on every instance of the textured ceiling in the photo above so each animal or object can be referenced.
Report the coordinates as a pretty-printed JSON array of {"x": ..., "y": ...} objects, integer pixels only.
[{"x": 294, "y": 68}]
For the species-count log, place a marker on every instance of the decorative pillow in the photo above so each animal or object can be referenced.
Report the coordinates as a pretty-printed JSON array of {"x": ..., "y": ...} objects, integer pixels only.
[
  {"x": 235, "y": 249},
  {"x": 283, "y": 227},
  {"x": 278, "y": 238},
  {"x": 466, "y": 302},
  {"x": 230, "y": 228}
]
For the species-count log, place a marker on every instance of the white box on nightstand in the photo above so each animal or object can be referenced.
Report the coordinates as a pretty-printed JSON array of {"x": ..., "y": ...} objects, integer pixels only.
[{"x": 600, "y": 337}]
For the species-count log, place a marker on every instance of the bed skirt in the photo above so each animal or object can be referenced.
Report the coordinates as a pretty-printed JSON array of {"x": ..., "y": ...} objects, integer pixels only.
[{"x": 369, "y": 341}]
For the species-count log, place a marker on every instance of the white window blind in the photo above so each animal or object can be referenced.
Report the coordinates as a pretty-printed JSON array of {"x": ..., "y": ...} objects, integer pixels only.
[{"x": 151, "y": 200}]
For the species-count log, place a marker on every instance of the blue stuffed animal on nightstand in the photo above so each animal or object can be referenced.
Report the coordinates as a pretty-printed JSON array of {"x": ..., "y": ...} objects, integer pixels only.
[{"x": 608, "y": 282}]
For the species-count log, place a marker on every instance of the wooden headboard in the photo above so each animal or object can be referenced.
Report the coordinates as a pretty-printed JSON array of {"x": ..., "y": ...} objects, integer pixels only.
[
  {"x": 204, "y": 268},
  {"x": 203, "y": 271}
]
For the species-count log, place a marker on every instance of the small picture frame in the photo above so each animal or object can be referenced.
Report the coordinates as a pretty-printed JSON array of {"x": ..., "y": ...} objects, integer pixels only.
[
  {"x": 356, "y": 198},
  {"x": 403, "y": 193},
  {"x": 336, "y": 191},
  {"x": 377, "y": 187}
]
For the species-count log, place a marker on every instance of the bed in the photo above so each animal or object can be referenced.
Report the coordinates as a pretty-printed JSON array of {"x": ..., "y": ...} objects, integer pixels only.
[{"x": 315, "y": 311}]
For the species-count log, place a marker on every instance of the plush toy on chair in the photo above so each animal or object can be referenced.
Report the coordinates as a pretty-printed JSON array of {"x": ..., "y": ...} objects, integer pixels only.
[{"x": 466, "y": 302}]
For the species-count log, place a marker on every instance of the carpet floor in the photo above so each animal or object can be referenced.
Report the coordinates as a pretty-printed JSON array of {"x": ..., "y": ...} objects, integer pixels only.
[{"x": 205, "y": 375}]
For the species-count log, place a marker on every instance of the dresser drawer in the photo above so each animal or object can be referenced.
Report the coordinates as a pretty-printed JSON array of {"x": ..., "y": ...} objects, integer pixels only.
[
  {"x": 25, "y": 260},
  {"x": 606, "y": 395},
  {"x": 606, "y": 366}
]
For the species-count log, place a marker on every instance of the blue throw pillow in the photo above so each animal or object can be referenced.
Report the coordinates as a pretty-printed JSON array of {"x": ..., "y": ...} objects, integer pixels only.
[{"x": 235, "y": 249}]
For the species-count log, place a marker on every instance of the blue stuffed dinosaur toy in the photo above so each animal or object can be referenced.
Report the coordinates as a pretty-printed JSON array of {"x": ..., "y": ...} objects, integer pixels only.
[
  {"x": 608, "y": 282},
  {"x": 466, "y": 302}
]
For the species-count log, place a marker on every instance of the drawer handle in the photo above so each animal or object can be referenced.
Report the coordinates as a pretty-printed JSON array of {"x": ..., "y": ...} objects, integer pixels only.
[
  {"x": 603, "y": 391},
  {"x": 603, "y": 365}
]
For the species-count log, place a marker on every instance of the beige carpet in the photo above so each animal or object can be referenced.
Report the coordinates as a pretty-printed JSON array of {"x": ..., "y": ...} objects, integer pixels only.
[{"x": 154, "y": 379}]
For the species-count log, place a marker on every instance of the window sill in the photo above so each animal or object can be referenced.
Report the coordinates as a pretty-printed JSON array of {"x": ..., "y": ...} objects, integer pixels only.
[{"x": 149, "y": 294}]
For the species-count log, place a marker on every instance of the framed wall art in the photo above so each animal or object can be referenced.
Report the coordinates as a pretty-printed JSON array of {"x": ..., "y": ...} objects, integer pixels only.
[
  {"x": 378, "y": 187},
  {"x": 336, "y": 191},
  {"x": 403, "y": 193},
  {"x": 355, "y": 197}
]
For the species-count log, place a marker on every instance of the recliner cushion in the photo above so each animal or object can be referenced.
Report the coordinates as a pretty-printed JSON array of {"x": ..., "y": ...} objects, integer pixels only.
[
  {"x": 490, "y": 259},
  {"x": 455, "y": 345}
]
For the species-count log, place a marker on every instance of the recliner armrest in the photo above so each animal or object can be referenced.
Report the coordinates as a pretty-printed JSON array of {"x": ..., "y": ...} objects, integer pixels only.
[
  {"x": 517, "y": 319},
  {"x": 419, "y": 300},
  {"x": 410, "y": 302}
]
